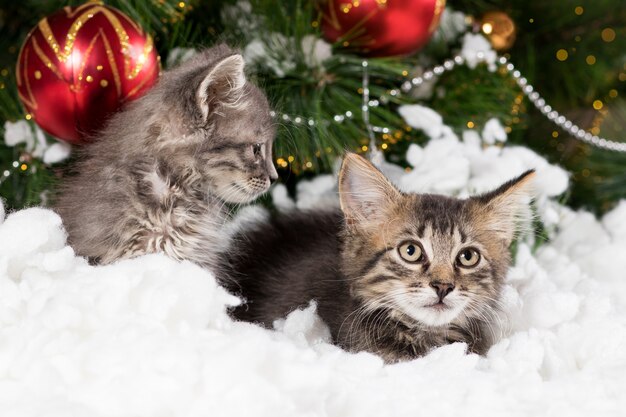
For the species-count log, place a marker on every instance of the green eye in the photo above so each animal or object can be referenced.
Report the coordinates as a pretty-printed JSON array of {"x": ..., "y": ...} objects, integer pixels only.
[
  {"x": 411, "y": 252},
  {"x": 468, "y": 258}
]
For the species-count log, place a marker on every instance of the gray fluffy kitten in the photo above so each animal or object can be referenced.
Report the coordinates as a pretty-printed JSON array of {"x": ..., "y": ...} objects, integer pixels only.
[{"x": 158, "y": 177}]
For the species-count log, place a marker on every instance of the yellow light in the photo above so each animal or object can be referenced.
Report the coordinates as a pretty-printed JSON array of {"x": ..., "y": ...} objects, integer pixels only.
[
  {"x": 608, "y": 35},
  {"x": 613, "y": 93},
  {"x": 597, "y": 104},
  {"x": 38, "y": 75},
  {"x": 181, "y": 4},
  {"x": 89, "y": 78},
  {"x": 586, "y": 172},
  {"x": 405, "y": 73},
  {"x": 384, "y": 146},
  {"x": 364, "y": 148},
  {"x": 28, "y": 116},
  {"x": 577, "y": 38},
  {"x": 280, "y": 161},
  {"x": 622, "y": 76},
  {"x": 291, "y": 158},
  {"x": 4, "y": 72},
  {"x": 23, "y": 167},
  {"x": 470, "y": 124},
  {"x": 346, "y": 43},
  {"x": 590, "y": 59},
  {"x": 99, "y": 67},
  {"x": 579, "y": 10},
  {"x": 561, "y": 54},
  {"x": 308, "y": 164},
  {"x": 315, "y": 23},
  {"x": 103, "y": 83},
  {"x": 487, "y": 28},
  {"x": 555, "y": 134},
  {"x": 531, "y": 20}
]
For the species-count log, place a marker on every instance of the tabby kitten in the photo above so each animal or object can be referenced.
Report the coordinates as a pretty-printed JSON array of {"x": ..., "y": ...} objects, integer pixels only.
[
  {"x": 395, "y": 274},
  {"x": 158, "y": 177}
]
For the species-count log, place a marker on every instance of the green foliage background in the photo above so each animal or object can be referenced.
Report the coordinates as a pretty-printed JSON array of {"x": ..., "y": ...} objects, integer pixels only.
[{"x": 571, "y": 86}]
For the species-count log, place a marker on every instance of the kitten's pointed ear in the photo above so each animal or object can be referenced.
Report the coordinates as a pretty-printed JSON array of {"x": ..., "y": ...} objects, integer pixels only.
[
  {"x": 364, "y": 192},
  {"x": 507, "y": 209},
  {"x": 223, "y": 84}
]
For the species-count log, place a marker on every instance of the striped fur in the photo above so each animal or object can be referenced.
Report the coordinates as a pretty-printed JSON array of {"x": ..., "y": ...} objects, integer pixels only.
[{"x": 371, "y": 298}]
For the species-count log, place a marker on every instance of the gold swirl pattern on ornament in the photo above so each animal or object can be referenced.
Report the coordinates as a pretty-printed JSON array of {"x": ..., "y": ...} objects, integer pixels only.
[
  {"x": 139, "y": 86},
  {"x": 111, "y": 59},
  {"x": 439, "y": 6},
  {"x": 44, "y": 58},
  {"x": 122, "y": 35},
  {"x": 30, "y": 101},
  {"x": 85, "y": 59}
]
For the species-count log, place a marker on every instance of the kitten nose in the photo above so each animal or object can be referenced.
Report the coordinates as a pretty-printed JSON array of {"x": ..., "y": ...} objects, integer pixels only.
[
  {"x": 271, "y": 172},
  {"x": 442, "y": 288}
]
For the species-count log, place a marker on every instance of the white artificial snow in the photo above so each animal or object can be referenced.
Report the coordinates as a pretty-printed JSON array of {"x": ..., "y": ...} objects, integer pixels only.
[
  {"x": 150, "y": 336},
  {"x": 240, "y": 17},
  {"x": 316, "y": 51},
  {"x": 451, "y": 25},
  {"x": 18, "y": 132},
  {"x": 475, "y": 44},
  {"x": 426, "y": 119},
  {"x": 494, "y": 132},
  {"x": 35, "y": 142},
  {"x": 56, "y": 153},
  {"x": 274, "y": 51}
]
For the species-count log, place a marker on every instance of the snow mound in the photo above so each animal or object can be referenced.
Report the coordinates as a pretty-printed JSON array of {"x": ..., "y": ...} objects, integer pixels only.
[{"x": 150, "y": 336}]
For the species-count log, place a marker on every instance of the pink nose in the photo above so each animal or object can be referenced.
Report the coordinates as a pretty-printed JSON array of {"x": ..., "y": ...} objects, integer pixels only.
[{"x": 442, "y": 288}]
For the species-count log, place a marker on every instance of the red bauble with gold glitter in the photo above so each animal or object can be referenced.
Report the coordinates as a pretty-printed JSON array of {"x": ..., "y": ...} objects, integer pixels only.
[
  {"x": 80, "y": 65},
  {"x": 381, "y": 27}
]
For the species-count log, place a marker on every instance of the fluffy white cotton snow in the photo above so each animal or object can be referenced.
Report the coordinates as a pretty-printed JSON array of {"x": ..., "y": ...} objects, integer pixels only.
[
  {"x": 150, "y": 336},
  {"x": 35, "y": 142}
]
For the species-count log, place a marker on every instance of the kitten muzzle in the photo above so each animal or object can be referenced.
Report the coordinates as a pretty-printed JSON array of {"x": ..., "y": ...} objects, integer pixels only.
[{"x": 442, "y": 289}]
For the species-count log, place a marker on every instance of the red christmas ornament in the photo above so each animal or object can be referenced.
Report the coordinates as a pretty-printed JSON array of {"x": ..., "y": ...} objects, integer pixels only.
[
  {"x": 79, "y": 65},
  {"x": 381, "y": 27}
]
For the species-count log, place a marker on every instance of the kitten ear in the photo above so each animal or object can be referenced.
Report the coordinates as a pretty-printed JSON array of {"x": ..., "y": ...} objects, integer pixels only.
[
  {"x": 506, "y": 209},
  {"x": 222, "y": 85},
  {"x": 365, "y": 193}
]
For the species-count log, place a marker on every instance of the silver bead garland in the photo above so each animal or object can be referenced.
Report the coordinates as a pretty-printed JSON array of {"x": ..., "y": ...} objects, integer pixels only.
[
  {"x": 4, "y": 175},
  {"x": 448, "y": 65}
]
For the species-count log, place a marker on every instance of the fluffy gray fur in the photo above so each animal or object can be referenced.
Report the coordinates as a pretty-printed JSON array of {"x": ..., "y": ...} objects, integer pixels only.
[{"x": 159, "y": 176}]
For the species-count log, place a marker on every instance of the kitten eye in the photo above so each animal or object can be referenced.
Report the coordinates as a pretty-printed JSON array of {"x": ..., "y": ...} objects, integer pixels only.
[
  {"x": 411, "y": 252},
  {"x": 256, "y": 149},
  {"x": 468, "y": 258}
]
